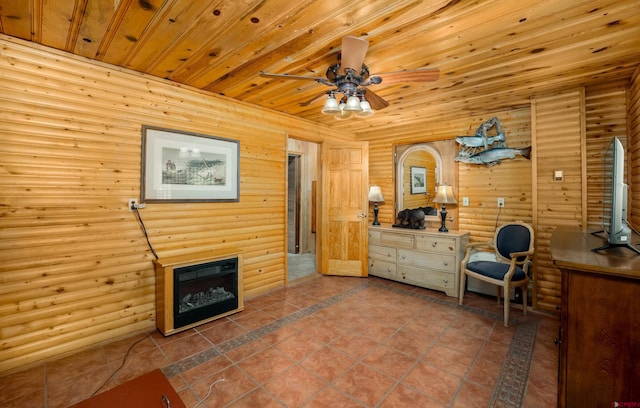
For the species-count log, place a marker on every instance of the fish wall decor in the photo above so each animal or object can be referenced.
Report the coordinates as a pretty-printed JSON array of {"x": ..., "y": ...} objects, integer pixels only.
[{"x": 488, "y": 150}]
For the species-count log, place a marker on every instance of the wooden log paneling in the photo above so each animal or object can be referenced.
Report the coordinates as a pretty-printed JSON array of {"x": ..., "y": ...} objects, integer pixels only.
[
  {"x": 76, "y": 269},
  {"x": 557, "y": 123},
  {"x": 605, "y": 113},
  {"x": 381, "y": 168},
  {"x": 511, "y": 180},
  {"x": 633, "y": 147}
]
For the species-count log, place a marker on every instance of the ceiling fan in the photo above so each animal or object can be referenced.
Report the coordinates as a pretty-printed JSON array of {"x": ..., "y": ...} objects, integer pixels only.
[{"x": 350, "y": 77}]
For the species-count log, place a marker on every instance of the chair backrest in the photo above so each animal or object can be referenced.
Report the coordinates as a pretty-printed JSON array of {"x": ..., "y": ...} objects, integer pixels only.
[{"x": 513, "y": 237}]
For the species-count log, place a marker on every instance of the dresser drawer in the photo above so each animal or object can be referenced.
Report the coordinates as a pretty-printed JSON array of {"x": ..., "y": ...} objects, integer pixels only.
[
  {"x": 443, "y": 245},
  {"x": 382, "y": 269},
  {"x": 432, "y": 279},
  {"x": 382, "y": 253},
  {"x": 397, "y": 240},
  {"x": 425, "y": 260}
]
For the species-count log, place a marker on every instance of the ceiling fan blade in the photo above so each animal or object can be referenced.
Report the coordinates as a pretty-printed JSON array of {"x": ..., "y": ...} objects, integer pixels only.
[
  {"x": 375, "y": 101},
  {"x": 287, "y": 76},
  {"x": 308, "y": 102},
  {"x": 417, "y": 75},
  {"x": 353, "y": 52}
]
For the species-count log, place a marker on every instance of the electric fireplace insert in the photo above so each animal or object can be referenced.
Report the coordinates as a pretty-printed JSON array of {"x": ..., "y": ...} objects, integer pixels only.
[{"x": 194, "y": 291}]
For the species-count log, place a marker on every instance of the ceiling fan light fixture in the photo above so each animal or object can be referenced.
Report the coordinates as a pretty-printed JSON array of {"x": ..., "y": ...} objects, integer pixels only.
[
  {"x": 353, "y": 104},
  {"x": 366, "y": 109},
  {"x": 331, "y": 105},
  {"x": 342, "y": 113}
]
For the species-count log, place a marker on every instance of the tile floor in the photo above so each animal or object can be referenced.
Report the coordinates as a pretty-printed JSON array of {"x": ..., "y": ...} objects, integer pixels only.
[
  {"x": 301, "y": 266},
  {"x": 325, "y": 342}
]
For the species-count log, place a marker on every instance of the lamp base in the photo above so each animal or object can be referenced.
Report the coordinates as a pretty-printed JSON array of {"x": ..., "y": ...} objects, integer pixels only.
[
  {"x": 443, "y": 215},
  {"x": 375, "y": 214}
]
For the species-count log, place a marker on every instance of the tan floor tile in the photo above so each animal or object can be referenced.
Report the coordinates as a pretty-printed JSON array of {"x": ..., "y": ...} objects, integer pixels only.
[
  {"x": 354, "y": 344},
  {"x": 389, "y": 361},
  {"x": 448, "y": 359},
  {"x": 22, "y": 384},
  {"x": 299, "y": 346},
  {"x": 435, "y": 383},
  {"x": 328, "y": 363},
  {"x": 473, "y": 396},
  {"x": 226, "y": 386},
  {"x": 365, "y": 384},
  {"x": 331, "y": 397},
  {"x": 256, "y": 398},
  {"x": 295, "y": 386},
  {"x": 403, "y": 396},
  {"x": 266, "y": 364}
]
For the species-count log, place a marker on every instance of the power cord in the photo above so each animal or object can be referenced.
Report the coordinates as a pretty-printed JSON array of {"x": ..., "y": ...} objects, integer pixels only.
[
  {"x": 121, "y": 365},
  {"x": 209, "y": 392},
  {"x": 498, "y": 217},
  {"x": 144, "y": 230}
]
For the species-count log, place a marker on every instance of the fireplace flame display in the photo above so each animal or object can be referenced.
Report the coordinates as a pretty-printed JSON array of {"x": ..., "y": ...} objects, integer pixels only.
[
  {"x": 201, "y": 299},
  {"x": 205, "y": 290}
]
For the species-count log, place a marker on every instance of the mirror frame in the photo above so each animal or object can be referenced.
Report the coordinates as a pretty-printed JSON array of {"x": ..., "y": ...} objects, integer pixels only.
[{"x": 429, "y": 148}]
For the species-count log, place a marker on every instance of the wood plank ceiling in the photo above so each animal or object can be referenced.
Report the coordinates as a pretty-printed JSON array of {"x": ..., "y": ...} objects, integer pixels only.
[{"x": 492, "y": 54}]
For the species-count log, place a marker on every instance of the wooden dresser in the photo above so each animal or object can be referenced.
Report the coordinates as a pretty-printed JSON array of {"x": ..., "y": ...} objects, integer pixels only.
[
  {"x": 600, "y": 321},
  {"x": 425, "y": 258}
]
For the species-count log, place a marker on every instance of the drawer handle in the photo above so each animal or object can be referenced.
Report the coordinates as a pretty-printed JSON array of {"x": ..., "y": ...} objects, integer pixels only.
[
  {"x": 446, "y": 282},
  {"x": 434, "y": 244},
  {"x": 388, "y": 255},
  {"x": 446, "y": 264}
]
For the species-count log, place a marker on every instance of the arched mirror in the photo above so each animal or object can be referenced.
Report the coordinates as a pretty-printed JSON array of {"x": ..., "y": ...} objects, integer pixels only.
[{"x": 419, "y": 171}]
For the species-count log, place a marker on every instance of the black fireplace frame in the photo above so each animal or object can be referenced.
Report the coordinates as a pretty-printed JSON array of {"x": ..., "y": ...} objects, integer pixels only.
[{"x": 220, "y": 269}]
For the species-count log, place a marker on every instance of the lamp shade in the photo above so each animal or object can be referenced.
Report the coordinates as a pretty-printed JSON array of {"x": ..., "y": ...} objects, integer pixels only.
[
  {"x": 366, "y": 109},
  {"x": 353, "y": 104},
  {"x": 375, "y": 194},
  {"x": 331, "y": 105},
  {"x": 444, "y": 195}
]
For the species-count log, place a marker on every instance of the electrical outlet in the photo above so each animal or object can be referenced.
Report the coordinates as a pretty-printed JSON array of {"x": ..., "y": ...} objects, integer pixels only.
[
  {"x": 501, "y": 202},
  {"x": 132, "y": 204}
]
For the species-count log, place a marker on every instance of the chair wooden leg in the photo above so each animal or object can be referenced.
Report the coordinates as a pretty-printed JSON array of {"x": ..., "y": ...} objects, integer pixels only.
[
  {"x": 498, "y": 294},
  {"x": 463, "y": 281},
  {"x": 523, "y": 291},
  {"x": 507, "y": 305}
]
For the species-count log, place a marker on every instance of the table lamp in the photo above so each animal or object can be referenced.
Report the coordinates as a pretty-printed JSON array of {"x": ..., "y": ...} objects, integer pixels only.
[
  {"x": 444, "y": 196},
  {"x": 375, "y": 196}
]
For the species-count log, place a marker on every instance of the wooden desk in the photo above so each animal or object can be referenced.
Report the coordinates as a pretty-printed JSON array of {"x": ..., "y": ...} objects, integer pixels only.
[{"x": 600, "y": 321}]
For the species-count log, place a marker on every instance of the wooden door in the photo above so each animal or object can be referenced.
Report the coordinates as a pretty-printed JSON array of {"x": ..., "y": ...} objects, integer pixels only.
[{"x": 345, "y": 179}]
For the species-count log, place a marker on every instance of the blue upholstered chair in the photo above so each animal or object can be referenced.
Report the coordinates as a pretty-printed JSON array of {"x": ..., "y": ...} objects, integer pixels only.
[{"x": 513, "y": 248}]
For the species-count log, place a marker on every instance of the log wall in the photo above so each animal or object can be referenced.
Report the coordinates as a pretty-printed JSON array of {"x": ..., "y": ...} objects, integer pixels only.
[
  {"x": 558, "y": 140},
  {"x": 606, "y": 117},
  {"x": 633, "y": 147},
  {"x": 75, "y": 267}
]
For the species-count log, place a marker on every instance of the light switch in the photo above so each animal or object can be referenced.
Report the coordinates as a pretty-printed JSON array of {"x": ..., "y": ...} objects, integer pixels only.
[
  {"x": 557, "y": 175},
  {"x": 465, "y": 201}
]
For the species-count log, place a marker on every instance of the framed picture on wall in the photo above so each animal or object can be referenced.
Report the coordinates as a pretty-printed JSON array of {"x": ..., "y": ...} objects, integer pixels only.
[
  {"x": 181, "y": 166},
  {"x": 418, "y": 180}
]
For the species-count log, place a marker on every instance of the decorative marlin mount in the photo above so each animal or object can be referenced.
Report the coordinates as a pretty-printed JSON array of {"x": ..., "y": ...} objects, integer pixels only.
[{"x": 487, "y": 150}]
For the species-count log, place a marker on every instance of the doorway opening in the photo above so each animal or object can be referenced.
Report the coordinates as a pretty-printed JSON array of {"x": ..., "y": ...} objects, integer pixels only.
[{"x": 302, "y": 168}]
